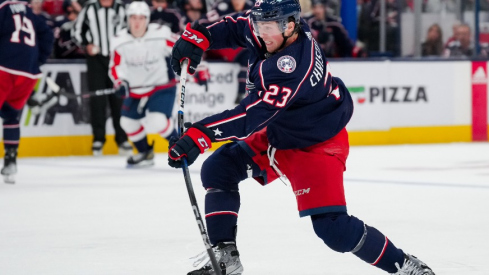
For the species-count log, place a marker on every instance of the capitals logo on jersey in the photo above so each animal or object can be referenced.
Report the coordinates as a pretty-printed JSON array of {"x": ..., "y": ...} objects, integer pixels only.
[{"x": 286, "y": 64}]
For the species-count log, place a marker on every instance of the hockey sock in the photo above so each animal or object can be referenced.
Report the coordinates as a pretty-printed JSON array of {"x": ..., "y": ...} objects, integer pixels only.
[
  {"x": 11, "y": 135},
  {"x": 135, "y": 132},
  {"x": 377, "y": 250},
  {"x": 141, "y": 145},
  {"x": 11, "y": 130},
  {"x": 338, "y": 230},
  {"x": 221, "y": 215},
  {"x": 221, "y": 173},
  {"x": 344, "y": 233}
]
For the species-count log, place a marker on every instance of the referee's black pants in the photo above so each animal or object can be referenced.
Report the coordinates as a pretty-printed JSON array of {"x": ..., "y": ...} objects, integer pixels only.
[{"x": 98, "y": 78}]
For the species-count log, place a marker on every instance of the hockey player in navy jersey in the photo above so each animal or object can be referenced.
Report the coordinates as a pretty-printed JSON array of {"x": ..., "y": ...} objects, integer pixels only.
[
  {"x": 290, "y": 126},
  {"x": 26, "y": 42}
]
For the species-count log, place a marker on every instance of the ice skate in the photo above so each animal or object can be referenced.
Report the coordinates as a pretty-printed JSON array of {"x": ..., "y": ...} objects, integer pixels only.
[
  {"x": 125, "y": 148},
  {"x": 226, "y": 253},
  {"x": 97, "y": 148},
  {"x": 413, "y": 266},
  {"x": 9, "y": 166},
  {"x": 143, "y": 159}
]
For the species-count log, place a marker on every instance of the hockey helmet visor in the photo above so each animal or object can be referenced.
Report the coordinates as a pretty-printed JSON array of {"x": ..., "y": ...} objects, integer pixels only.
[{"x": 274, "y": 11}]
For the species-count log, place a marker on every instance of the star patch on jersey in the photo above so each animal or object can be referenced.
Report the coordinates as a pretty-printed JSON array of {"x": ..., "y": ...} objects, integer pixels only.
[
  {"x": 286, "y": 64},
  {"x": 217, "y": 132}
]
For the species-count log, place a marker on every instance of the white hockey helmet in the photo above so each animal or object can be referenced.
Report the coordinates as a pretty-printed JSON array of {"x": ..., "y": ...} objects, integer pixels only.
[{"x": 138, "y": 8}]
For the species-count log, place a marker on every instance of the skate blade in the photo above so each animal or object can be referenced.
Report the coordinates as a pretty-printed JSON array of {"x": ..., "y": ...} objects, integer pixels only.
[
  {"x": 125, "y": 153},
  {"x": 142, "y": 164},
  {"x": 10, "y": 179}
]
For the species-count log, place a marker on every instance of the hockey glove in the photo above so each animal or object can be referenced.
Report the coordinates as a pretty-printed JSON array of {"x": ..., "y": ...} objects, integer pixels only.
[
  {"x": 191, "y": 45},
  {"x": 122, "y": 89},
  {"x": 196, "y": 140},
  {"x": 42, "y": 103}
]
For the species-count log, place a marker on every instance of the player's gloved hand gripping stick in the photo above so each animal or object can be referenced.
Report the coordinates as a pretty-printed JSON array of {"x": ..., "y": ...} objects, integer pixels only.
[
  {"x": 187, "y": 146},
  {"x": 191, "y": 46}
]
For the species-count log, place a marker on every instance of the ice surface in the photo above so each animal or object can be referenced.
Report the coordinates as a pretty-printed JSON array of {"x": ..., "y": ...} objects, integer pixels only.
[{"x": 92, "y": 216}]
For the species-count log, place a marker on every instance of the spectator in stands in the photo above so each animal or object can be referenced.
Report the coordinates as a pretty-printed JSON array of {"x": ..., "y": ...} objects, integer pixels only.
[
  {"x": 53, "y": 7},
  {"x": 192, "y": 10},
  {"x": 454, "y": 31},
  {"x": 64, "y": 46},
  {"x": 36, "y": 6},
  {"x": 163, "y": 15},
  {"x": 332, "y": 7},
  {"x": 329, "y": 32},
  {"x": 433, "y": 45},
  {"x": 369, "y": 27},
  {"x": 227, "y": 8},
  {"x": 462, "y": 45}
]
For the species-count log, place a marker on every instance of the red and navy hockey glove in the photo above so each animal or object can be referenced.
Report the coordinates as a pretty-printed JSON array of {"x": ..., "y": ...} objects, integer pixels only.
[
  {"x": 191, "y": 45},
  {"x": 196, "y": 140}
]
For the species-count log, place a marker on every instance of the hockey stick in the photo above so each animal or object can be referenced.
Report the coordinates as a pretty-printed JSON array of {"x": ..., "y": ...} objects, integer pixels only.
[
  {"x": 188, "y": 181},
  {"x": 60, "y": 91}
]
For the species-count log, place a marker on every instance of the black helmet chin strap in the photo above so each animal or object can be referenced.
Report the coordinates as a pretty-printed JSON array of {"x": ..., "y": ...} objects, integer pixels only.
[{"x": 296, "y": 30}]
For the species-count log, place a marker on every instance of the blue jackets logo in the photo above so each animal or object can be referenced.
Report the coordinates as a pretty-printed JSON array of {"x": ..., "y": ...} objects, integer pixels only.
[{"x": 286, "y": 64}]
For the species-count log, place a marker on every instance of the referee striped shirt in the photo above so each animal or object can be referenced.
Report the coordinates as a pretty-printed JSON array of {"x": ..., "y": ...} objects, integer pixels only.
[{"x": 96, "y": 24}]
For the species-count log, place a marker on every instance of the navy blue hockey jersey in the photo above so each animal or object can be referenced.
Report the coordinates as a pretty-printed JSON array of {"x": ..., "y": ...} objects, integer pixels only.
[
  {"x": 25, "y": 39},
  {"x": 292, "y": 92}
]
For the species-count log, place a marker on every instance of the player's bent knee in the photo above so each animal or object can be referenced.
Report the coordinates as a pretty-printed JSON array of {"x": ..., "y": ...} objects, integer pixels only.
[
  {"x": 9, "y": 114},
  {"x": 159, "y": 123},
  {"x": 225, "y": 168},
  {"x": 339, "y": 231},
  {"x": 129, "y": 125}
]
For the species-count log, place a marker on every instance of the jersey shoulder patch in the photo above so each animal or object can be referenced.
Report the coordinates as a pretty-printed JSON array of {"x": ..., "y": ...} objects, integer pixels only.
[{"x": 286, "y": 64}]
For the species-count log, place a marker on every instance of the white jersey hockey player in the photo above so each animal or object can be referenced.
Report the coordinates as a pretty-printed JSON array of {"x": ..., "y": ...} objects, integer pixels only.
[{"x": 139, "y": 67}]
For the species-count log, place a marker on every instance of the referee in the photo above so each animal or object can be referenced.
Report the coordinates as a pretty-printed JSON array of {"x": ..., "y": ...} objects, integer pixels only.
[{"x": 97, "y": 22}]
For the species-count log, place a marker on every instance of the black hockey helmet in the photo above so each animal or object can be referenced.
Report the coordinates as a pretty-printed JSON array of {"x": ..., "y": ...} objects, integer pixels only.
[{"x": 276, "y": 10}]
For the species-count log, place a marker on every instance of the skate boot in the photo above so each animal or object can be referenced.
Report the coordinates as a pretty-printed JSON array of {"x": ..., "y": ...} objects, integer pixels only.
[
  {"x": 413, "y": 266},
  {"x": 143, "y": 159},
  {"x": 97, "y": 148},
  {"x": 125, "y": 148},
  {"x": 9, "y": 165},
  {"x": 227, "y": 254}
]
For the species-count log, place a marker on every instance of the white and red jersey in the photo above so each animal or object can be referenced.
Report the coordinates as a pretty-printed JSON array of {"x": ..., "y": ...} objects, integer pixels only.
[{"x": 143, "y": 62}]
